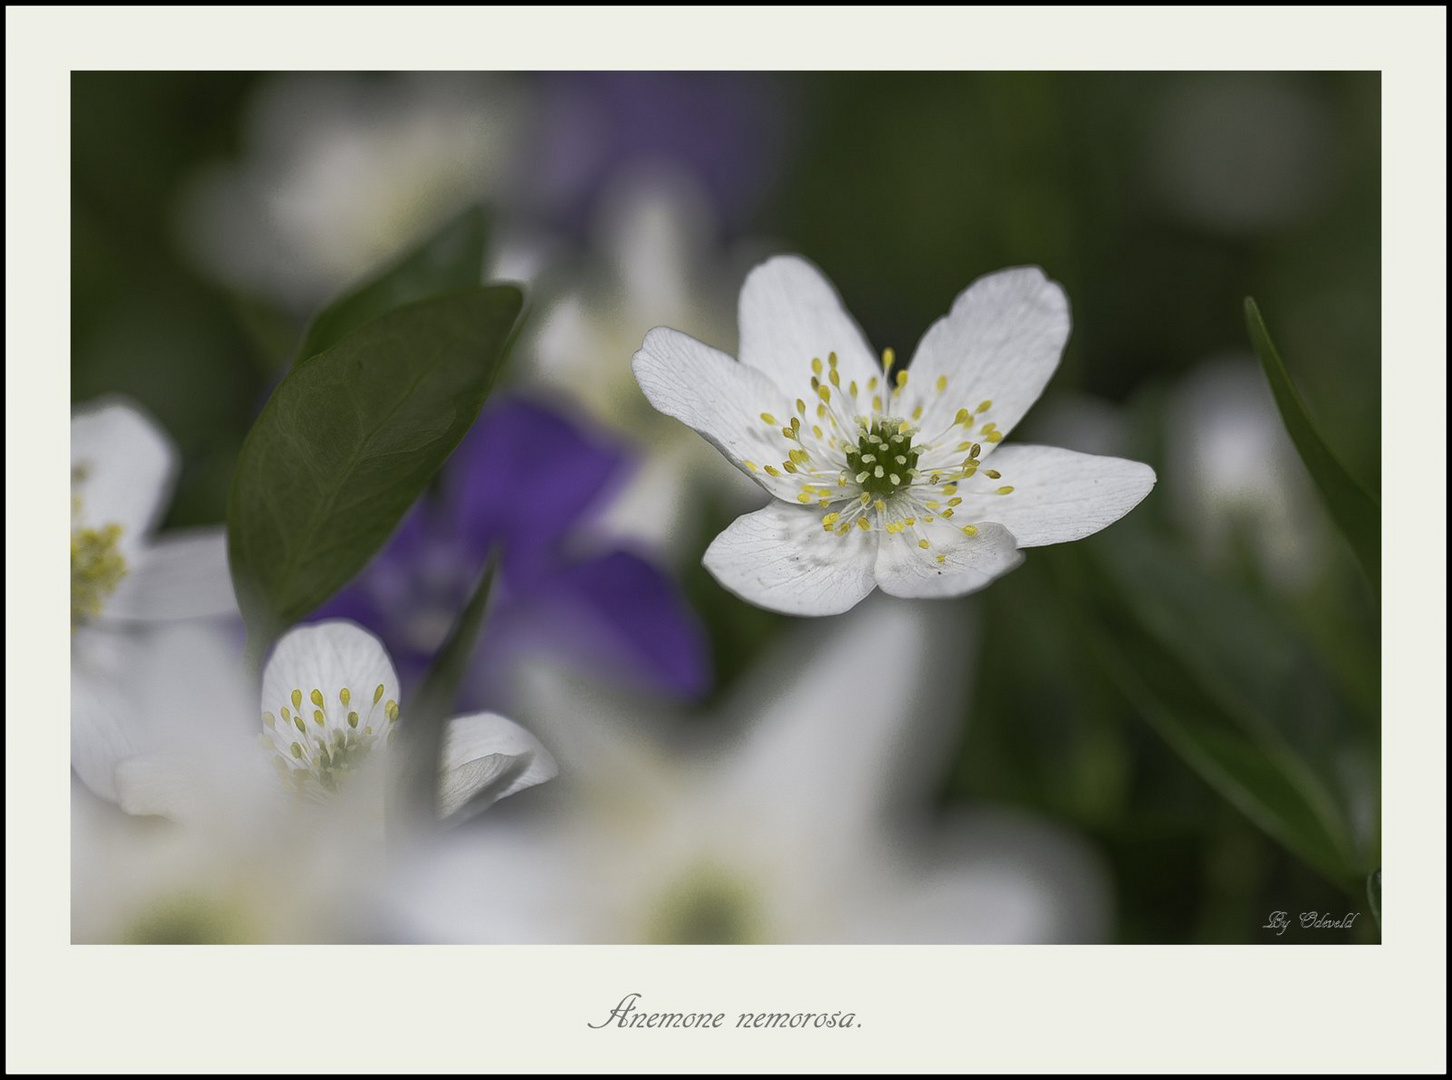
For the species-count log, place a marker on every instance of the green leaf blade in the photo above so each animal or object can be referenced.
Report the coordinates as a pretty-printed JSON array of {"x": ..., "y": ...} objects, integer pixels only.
[
  {"x": 1353, "y": 509},
  {"x": 450, "y": 261},
  {"x": 348, "y": 442}
]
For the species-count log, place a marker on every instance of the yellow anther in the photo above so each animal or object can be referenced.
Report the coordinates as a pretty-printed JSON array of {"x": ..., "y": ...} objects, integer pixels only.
[
  {"x": 821, "y": 411},
  {"x": 316, "y": 697},
  {"x": 904, "y": 427},
  {"x": 862, "y": 524},
  {"x": 935, "y": 478},
  {"x": 955, "y": 502},
  {"x": 750, "y": 466},
  {"x": 949, "y": 489},
  {"x": 831, "y": 359},
  {"x": 843, "y": 529},
  {"x": 977, "y": 449},
  {"x": 830, "y": 519},
  {"x": 391, "y": 710},
  {"x": 888, "y": 357},
  {"x": 377, "y": 693},
  {"x": 297, "y": 722},
  {"x": 970, "y": 530},
  {"x": 772, "y": 470},
  {"x": 769, "y": 418},
  {"x": 877, "y": 403},
  {"x": 824, "y": 502},
  {"x": 796, "y": 424},
  {"x": 824, "y": 393},
  {"x": 866, "y": 498},
  {"x": 918, "y": 413},
  {"x": 963, "y": 446},
  {"x": 984, "y": 405},
  {"x": 352, "y": 719},
  {"x": 834, "y": 378},
  {"x": 268, "y": 720},
  {"x": 789, "y": 433},
  {"x": 969, "y": 467},
  {"x": 994, "y": 436},
  {"x": 881, "y": 506},
  {"x": 816, "y": 365},
  {"x": 1007, "y": 489},
  {"x": 297, "y": 699},
  {"x": 804, "y": 498},
  {"x": 910, "y": 521},
  {"x": 923, "y": 544},
  {"x": 788, "y": 466},
  {"x": 931, "y": 504},
  {"x": 992, "y": 474},
  {"x": 318, "y": 717},
  {"x": 345, "y": 695},
  {"x": 297, "y": 750},
  {"x": 948, "y": 513},
  {"x": 285, "y": 714},
  {"x": 852, "y": 388},
  {"x": 942, "y": 558},
  {"x": 801, "y": 406},
  {"x": 902, "y": 377},
  {"x": 927, "y": 519},
  {"x": 816, "y": 431},
  {"x": 942, "y": 383},
  {"x": 963, "y": 417}
]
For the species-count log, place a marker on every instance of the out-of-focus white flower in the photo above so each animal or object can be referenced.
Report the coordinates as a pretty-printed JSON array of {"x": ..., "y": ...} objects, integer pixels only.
[
  {"x": 340, "y": 171},
  {"x": 126, "y": 583},
  {"x": 881, "y": 480},
  {"x": 653, "y": 238},
  {"x": 799, "y": 816},
  {"x": 1236, "y": 469},
  {"x": 329, "y": 712}
]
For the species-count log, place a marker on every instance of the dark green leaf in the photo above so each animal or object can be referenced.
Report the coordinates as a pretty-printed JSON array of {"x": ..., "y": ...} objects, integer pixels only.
[
  {"x": 448, "y": 262},
  {"x": 433, "y": 703},
  {"x": 348, "y": 441},
  {"x": 1355, "y": 512},
  {"x": 1373, "y": 895}
]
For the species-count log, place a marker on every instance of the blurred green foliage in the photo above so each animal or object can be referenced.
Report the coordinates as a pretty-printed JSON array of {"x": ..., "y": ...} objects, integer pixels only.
[{"x": 1160, "y": 201}]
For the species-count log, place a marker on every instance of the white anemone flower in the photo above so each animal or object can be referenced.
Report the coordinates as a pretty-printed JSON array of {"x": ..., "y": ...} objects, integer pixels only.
[
  {"x": 127, "y": 584},
  {"x": 799, "y": 815},
  {"x": 884, "y": 477},
  {"x": 329, "y": 713}
]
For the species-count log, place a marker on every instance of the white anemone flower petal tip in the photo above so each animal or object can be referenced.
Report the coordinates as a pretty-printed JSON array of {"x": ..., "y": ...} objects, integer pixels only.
[{"x": 880, "y": 473}]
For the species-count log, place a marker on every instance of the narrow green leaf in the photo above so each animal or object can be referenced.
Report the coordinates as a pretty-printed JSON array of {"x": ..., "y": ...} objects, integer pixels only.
[
  {"x": 448, "y": 262},
  {"x": 434, "y": 702},
  {"x": 1354, "y": 510},
  {"x": 1373, "y": 894},
  {"x": 1265, "y": 783},
  {"x": 348, "y": 441}
]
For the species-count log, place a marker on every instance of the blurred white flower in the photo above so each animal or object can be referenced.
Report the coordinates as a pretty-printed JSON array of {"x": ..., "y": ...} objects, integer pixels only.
[
  {"x": 340, "y": 171},
  {"x": 801, "y": 815},
  {"x": 1236, "y": 471},
  {"x": 127, "y": 584},
  {"x": 329, "y": 712},
  {"x": 655, "y": 259},
  {"x": 881, "y": 480}
]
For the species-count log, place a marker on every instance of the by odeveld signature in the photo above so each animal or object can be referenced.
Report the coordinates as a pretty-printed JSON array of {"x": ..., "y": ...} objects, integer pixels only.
[{"x": 1310, "y": 920}]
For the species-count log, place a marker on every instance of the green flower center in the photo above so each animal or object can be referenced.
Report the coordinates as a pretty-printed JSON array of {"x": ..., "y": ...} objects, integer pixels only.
[
  {"x": 885, "y": 458},
  {"x": 97, "y": 567}
]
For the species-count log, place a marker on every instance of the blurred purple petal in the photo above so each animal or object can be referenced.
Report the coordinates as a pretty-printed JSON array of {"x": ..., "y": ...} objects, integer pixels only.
[{"x": 523, "y": 477}]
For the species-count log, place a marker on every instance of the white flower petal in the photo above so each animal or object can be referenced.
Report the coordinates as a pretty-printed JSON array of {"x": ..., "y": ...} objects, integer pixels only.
[
  {"x": 122, "y": 469},
  {"x": 201, "y": 783},
  {"x": 328, "y": 657},
  {"x": 1000, "y": 343},
  {"x": 969, "y": 562},
  {"x": 705, "y": 389},
  {"x": 104, "y": 713},
  {"x": 485, "y": 758},
  {"x": 783, "y": 559},
  {"x": 1060, "y": 495},
  {"x": 182, "y": 575},
  {"x": 849, "y": 720},
  {"x": 790, "y": 314}
]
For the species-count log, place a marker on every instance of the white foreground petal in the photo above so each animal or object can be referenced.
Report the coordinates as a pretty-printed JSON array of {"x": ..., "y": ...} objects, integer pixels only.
[
  {"x": 182, "y": 575},
  {"x": 969, "y": 562},
  {"x": 1060, "y": 495},
  {"x": 122, "y": 469},
  {"x": 705, "y": 389},
  {"x": 845, "y": 723},
  {"x": 486, "y": 758},
  {"x": 328, "y": 657},
  {"x": 217, "y": 783},
  {"x": 1000, "y": 343},
  {"x": 783, "y": 559},
  {"x": 789, "y": 314}
]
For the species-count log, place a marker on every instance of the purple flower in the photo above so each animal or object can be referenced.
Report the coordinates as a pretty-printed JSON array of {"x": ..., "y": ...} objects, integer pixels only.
[{"x": 527, "y": 480}]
